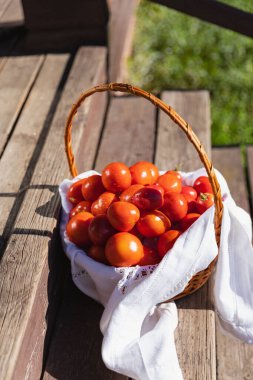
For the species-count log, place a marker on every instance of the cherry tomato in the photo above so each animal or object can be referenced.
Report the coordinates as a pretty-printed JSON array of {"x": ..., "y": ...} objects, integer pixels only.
[
  {"x": 100, "y": 230},
  {"x": 175, "y": 206},
  {"x": 187, "y": 221},
  {"x": 97, "y": 252},
  {"x": 82, "y": 206},
  {"x": 153, "y": 224},
  {"x": 166, "y": 241},
  {"x": 176, "y": 173},
  {"x": 148, "y": 198},
  {"x": 192, "y": 207},
  {"x": 150, "y": 257},
  {"x": 77, "y": 229},
  {"x": 204, "y": 201},
  {"x": 101, "y": 205},
  {"x": 189, "y": 193},
  {"x": 123, "y": 215},
  {"x": 127, "y": 194},
  {"x": 116, "y": 177},
  {"x": 92, "y": 188},
  {"x": 144, "y": 173},
  {"x": 203, "y": 185},
  {"x": 170, "y": 183},
  {"x": 74, "y": 194},
  {"x": 123, "y": 250}
]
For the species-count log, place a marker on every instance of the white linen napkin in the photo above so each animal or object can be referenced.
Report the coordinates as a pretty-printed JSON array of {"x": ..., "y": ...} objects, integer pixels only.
[{"x": 138, "y": 330}]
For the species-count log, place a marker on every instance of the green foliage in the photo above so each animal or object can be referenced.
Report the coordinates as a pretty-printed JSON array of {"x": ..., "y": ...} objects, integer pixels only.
[{"x": 175, "y": 51}]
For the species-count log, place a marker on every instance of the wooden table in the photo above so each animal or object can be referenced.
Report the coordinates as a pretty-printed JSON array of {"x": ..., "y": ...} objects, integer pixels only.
[{"x": 49, "y": 329}]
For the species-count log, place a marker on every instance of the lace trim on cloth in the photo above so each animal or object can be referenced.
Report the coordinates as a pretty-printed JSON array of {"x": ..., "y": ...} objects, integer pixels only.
[{"x": 133, "y": 274}]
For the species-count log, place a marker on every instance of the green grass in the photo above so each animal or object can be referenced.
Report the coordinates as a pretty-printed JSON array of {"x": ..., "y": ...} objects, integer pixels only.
[{"x": 175, "y": 51}]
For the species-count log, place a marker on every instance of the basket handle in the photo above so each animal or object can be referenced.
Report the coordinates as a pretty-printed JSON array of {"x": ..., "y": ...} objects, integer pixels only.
[{"x": 122, "y": 87}]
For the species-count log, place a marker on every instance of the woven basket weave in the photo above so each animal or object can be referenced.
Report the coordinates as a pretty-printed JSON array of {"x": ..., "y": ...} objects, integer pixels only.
[{"x": 201, "y": 277}]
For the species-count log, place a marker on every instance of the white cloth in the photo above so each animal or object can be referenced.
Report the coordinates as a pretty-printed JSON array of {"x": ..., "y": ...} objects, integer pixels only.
[{"x": 138, "y": 328}]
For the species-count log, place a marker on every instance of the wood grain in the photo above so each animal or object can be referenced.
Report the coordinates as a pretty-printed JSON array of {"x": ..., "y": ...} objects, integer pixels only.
[
  {"x": 195, "y": 336},
  {"x": 13, "y": 14},
  {"x": 3, "y": 6},
  {"x": 29, "y": 249},
  {"x": 234, "y": 358},
  {"x": 16, "y": 79}
]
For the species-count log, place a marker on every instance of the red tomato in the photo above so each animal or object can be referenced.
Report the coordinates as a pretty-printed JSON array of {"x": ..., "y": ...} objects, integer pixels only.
[
  {"x": 100, "y": 230},
  {"x": 153, "y": 224},
  {"x": 101, "y": 205},
  {"x": 97, "y": 252},
  {"x": 74, "y": 194},
  {"x": 92, "y": 188},
  {"x": 123, "y": 215},
  {"x": 170, "y": 183},
  {"x": 166, "y": 241},
  {"x": 82, "y": 206},
  {"x": 150, "y": 257},
  {"x": 176, "y": 173},
  {"x": 175, "y": 206},
  {"x": 204, "y": 201},
  {"x": 116, "y": 177},
  {"x": 192, "y": 207},
  {"x": 189, "y": 192},
  {"x": 128, "y": 193},
  {"x": 187, "y": 221},
  {"x": 203, "y": 185},
  {"x": 123, "y": 250},
  {"x": 148, "y": 198},
  {"x": 77, "y": 229},
  {"x": 150, "y": 242},
  {"x": 144, "y": 173}
]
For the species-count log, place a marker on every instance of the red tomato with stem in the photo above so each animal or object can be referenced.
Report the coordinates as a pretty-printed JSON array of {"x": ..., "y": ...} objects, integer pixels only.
[
  {"x": 166, "y": 241},
  {"x": 100, "y": 230},
  {"x": 101, "y": 205},
  {"x": 97, "y": 253},
  {"x": 116, "y": 177},
  {"x": 150, "y": 257},
  {"x": 187, "y": 221},
  {"x": 204, "y": 201},
  {"x": 203, "y": 185},
  {"x": 74, "y": 194},
  {"x": 175, "y": 206},
  {"x": 144, "y": 173},
  {"x": 82, "y": 206},
  {"x": 170, "y": 183},
  {"x": 123, "y": 215},
  {"x": 78, "y": 229},
  {"x": 92, "y": 188}
]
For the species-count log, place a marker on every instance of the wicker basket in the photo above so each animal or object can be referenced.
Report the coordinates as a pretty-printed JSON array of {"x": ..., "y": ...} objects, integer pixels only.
[{"x": 201, "y": 277}]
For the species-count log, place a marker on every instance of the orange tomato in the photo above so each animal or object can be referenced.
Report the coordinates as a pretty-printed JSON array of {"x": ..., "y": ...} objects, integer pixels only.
[
  {"x": 150, "y": 257},
  {"x": 166, "y": 241},
  {"x": 92, "y": 187},
  {"x": 176, "y": 173},
  {"x": 116, "y": 177},
  {"x": 97, "y": 252},
  {"x": 82, "y": 206},
  {"x": 127, "y": 194},
  {"x": 187, "y": 221},
  {"x": 170, "y": 183},
  {"x": 123, "y": 250},
  {"x": 78, "y": 229},
  {"x": 74, "y": 194},
  {"x": 123, "y": 215},
  {"x": 144, "y": 173},
  {"x": 153, "y": 224},
  {"x": 100, "y": 230},
  {"x": 101, "y": 205},
  {"x": 175, "y": 206}
]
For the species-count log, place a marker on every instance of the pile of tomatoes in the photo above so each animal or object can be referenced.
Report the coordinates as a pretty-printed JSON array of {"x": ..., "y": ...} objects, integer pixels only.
[{"x": 132, "y": 215}]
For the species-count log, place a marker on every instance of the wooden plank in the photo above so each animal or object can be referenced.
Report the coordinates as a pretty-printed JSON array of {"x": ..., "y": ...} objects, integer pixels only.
[
  {"x": 215, "y": 12},
  {"x": 234, "y": 358},
  {"x": 16, "y": 79},
  {"x": 13, "y": 14},
  {"x": 195, "y": 336},
  {"x": 24, "y": 266},
  {"x": 121, "y": 28},
  {"x": 3, "y": 5}
]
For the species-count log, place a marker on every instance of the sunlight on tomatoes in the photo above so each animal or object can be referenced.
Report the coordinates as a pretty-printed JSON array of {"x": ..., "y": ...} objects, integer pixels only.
[
  {"x": 100, "y": 230},
  {"x": 175, "y": 206},
  {"x": 204, "y": 201},
  {"x": 176, "y": 173},
  {"x": 166, "y": 241},
  {"x": 116, "y": 177},
  {"x": 123, "y": 215},
  {"x": 148, "y": 198},
  {"x": 82, "y": 206},
  {"x": 150, "y": 257},
  {"x": 153, "y": 224},
  {"x": 203, "y": 185},
  {"x": 92, "y": 188},
  {"x": 74, "y": 194},
  {"x": 127, "y": 194},
  {"x": 97, "y": 252},
  {"x": 189, "y": 193},
  {"x": 101, "y": 205},
  {"x": 144, "y": 173},
  {"x": 170, "y": 183},
  {"x": 78, "y": 229},
  {"x": 123, "y": 249}
]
